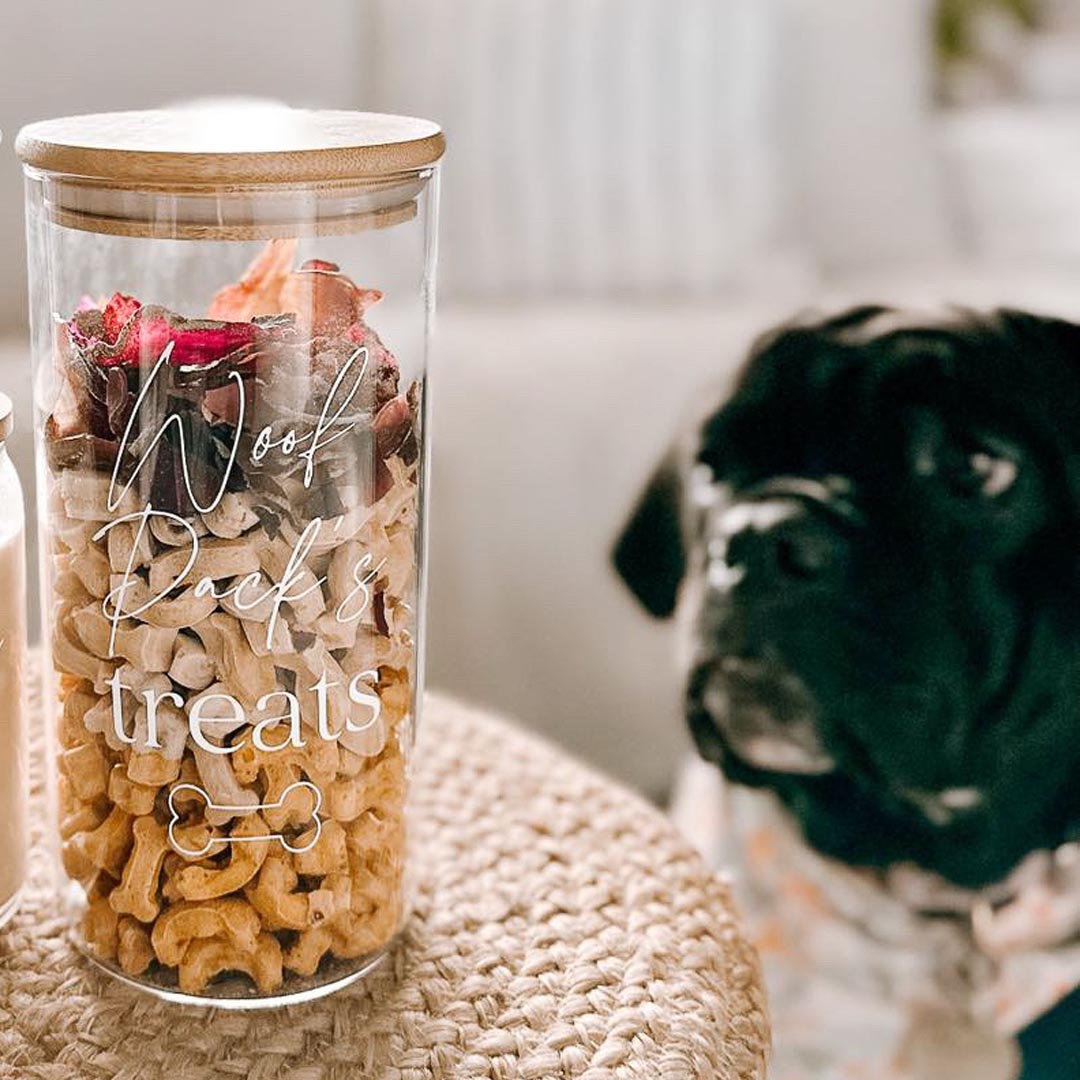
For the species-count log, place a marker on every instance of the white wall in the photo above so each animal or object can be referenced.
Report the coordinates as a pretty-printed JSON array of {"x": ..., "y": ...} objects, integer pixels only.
[
  {"x": 598, "y": 148},
  {"x": 868, "y": 182}
]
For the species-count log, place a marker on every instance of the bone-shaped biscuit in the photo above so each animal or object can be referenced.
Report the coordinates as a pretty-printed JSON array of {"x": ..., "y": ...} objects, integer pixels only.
[
  {"x": 100, "y": 926},
  {"x": 70, "y": 656},
  {"x": 247, "y": 676},
  {"x": 134, "y": 953},
  {"x": 167, "y": 532},
  {"x": 231, "y": 517},
  {"x": 87, "y": 770},
  {"x": 204, "y": 880},
  {"x": 180, "y": 924},
  {"x": 319, "y": 758},
  {"x": 123, "y": 549},
  {"x": 138, "y": 889},
  {"x": 105, "y": 848},
  {"x": 206, "y": 958},
  {"x": 217, "y": 779},
  {"x": 71, "y": 727},
  {"x": 184, "y": 792}
]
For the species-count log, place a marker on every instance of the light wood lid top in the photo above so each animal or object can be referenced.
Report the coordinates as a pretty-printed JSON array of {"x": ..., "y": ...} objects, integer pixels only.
[{"x": 230, "y": 144}]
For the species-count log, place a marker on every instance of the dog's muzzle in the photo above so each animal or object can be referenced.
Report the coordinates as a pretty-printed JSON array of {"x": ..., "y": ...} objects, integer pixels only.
[
  {"x": 765, "y": 716},
  {"x": 768, "y": 545}
]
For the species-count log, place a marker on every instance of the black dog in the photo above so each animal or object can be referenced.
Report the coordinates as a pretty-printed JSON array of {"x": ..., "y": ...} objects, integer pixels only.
[{"x": 877, "y": 541}]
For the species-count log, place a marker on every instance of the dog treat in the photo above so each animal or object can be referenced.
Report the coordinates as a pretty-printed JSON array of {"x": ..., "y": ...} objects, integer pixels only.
[{"x": 233, "y": 510}]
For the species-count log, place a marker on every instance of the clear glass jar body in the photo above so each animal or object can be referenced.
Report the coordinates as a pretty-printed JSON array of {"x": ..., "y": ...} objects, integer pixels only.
[
  {"x": 12, "y": 690},
  {"x": 230, "y": 390}
]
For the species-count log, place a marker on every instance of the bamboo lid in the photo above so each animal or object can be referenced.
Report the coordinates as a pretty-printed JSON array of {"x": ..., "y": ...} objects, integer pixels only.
[
  {"x": 231, "y": 170},
  {"x": 230, "y": 145}
]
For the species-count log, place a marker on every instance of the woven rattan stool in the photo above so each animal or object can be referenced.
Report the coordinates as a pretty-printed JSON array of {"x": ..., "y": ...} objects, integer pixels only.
[{"x": 562, "y": 929}]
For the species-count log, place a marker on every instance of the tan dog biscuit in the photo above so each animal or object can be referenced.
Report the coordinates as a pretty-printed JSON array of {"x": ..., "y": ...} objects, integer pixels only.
[
  {"x": 100, "y": 924},
  {"x": 246, "y": 857},
  {"x": 134, "y": 952},
  {"x": 326, "y": 855},
  {"x": 77, "y": 702},
  {"x": 82, "y": 817},
  {"x": 87, "y": 770},
  {"x": 208, "y": 957},
  {"x": 169, "y": 869},
  {"x": 107, "y": 846},
  {"x": 136, "y": 799},
  {"x": 152, "y": 769},
  {"x": 348, "y": 937},
  {"x": 357, "y": 935},
  {"x": 228, "y": 918},
  {"x": 305, "y": 954},
  {"x": 218, "y": 780},
  {"x": 273, "y": 896},
  {"x": 282, "y": 810},
  {"x": 137, "y": 892},
  {"x": 76, "y": 863},
  {"x": 318, "y": 760},
  {"x": 332, "y": 898}
]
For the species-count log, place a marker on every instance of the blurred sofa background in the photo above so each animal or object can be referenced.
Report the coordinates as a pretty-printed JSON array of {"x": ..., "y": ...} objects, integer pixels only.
[{"x": 634, "y": 190}]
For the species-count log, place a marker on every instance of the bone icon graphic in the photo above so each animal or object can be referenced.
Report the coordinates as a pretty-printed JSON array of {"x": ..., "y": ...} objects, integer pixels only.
[{"x": 294, "y": 849}]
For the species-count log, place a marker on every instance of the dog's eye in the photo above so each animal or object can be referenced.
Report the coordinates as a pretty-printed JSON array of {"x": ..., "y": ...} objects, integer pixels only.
[
  {"x": 978, "y": 472},
  {"x": 972, "y": 464},
  {"x": 995, "y": 475}
]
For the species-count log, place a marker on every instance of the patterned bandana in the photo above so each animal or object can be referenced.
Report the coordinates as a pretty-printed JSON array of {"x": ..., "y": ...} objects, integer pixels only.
[{"x": 897, "y": 975}]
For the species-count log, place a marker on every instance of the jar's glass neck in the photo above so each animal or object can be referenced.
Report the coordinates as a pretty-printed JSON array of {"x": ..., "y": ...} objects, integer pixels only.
[{"x": 258, "y": 212}]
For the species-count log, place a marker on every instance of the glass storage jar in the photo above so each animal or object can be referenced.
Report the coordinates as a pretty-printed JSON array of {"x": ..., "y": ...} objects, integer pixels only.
[
  {"x": 230, "y": 312},
  {"x": 12, "y": 677}
]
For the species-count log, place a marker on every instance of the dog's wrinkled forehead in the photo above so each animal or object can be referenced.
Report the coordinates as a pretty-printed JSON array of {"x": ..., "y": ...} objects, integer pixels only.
[
  {"x": 866, "y": 324},
  {"x": 827, "y": 395}
]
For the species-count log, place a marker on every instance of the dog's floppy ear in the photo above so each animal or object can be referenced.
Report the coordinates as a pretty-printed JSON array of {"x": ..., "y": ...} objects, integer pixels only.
[{"x": 650, "y": 554}]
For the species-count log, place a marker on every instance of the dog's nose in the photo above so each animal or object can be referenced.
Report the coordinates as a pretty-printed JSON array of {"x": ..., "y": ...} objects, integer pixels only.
[{"x": 780, "y": 541}]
